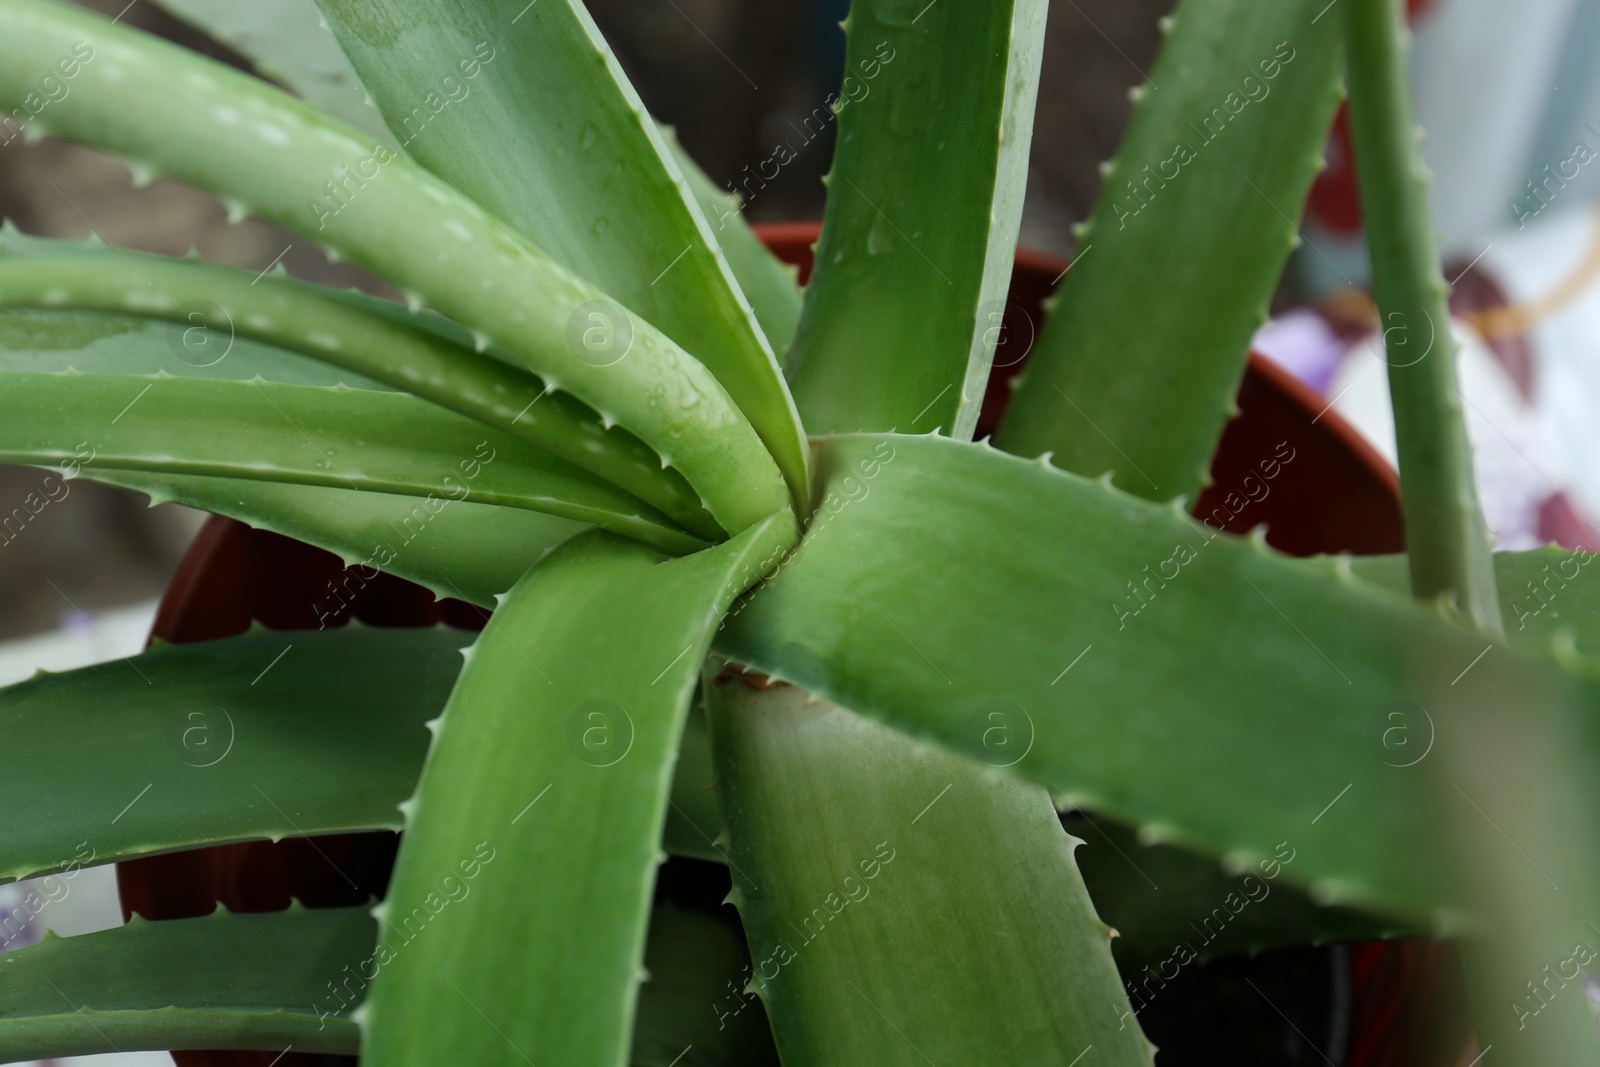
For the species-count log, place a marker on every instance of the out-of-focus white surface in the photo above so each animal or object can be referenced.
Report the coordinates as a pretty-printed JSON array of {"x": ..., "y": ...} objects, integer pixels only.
[
  {"x": 1526, "y": 450},
  {"x": 1505, "y": 91},
  {"x": 87, "y": 900},
  {"x": 1485, "y": 74},
  {"x": 1537, "y": 264},
  {"x": 84, "y": 638},
  {"x": 1517, "y": 464}
]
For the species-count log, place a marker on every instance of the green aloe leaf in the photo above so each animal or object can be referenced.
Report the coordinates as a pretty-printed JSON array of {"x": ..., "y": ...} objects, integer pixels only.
[
  {"x": 1136, "y": 368},
  {"x": 348, "y": 438},
  {"x": 265, "y": 735},
  {"x": 1447, "y": 541},
  {"x": 454, "y": 548},
  {"x": 43, "y": 340},
  {"x": 769, "y": 284},
  {"x": 224, "y": 981},
  {"x": 555, "y": 752},
  {"x": 289, "y": 43},
  {"x": 1445, "y": 533},
  {"x": 290, "y": 979},
  {"x": 180, "y": 706},
  {"x": 903, "y": 904},
  {"x": 903, "y": 309},
  {"x": 272, "y": 155},
  {"x": 208, "y": 306},
  {"x": 1141, "y": 654},
  {"x": 524, "y": 109}
]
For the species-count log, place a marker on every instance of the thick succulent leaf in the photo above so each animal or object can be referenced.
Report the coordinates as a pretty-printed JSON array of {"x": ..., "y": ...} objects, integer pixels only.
[
  {"x": 289, "y": 43},
  {"x": 691, "y": 1008},
  {"x": 265, "y": 735},
  {"x": 769, "y": 284},
  {"x": 905, "y": 905},
  {"x": 274, "y": 156},
  {"x": 1144, "y": 655},
  {"x": 42, "y": 340},
  {"x": 454, "y": 548},
  {"x": 203, "y": 301},
  {"x": 1136, "y": 368},
  {"x": 554, "y": 753},
  {"x": 902, "y": 312},
  {"x": 1169, "y": 905},
  {"x": 542, "y": 128},
  {"x": 307, "y": 435},
  {"x": 1446, "y": 536},
  {"x": 224, "y": 981},
  {"x": 177, "y": 708},
  {"x": 53, "y": 339},
  {"x": 274, "y": 980}
]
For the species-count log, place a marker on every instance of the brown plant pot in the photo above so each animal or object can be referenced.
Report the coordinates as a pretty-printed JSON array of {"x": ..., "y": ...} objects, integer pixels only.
[{"x": 1337, "y": 495}]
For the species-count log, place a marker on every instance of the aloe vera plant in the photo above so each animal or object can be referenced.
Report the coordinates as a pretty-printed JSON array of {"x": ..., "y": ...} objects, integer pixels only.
[{"x": 862, "y": 669}]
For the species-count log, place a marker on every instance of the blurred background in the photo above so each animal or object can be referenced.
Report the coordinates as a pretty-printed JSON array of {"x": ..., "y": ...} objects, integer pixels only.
[{"x": 1507, "y": 89}]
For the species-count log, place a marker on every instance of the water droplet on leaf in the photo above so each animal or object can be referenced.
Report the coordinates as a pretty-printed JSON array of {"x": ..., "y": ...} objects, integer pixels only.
[{"x": 880, "y": 239}]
